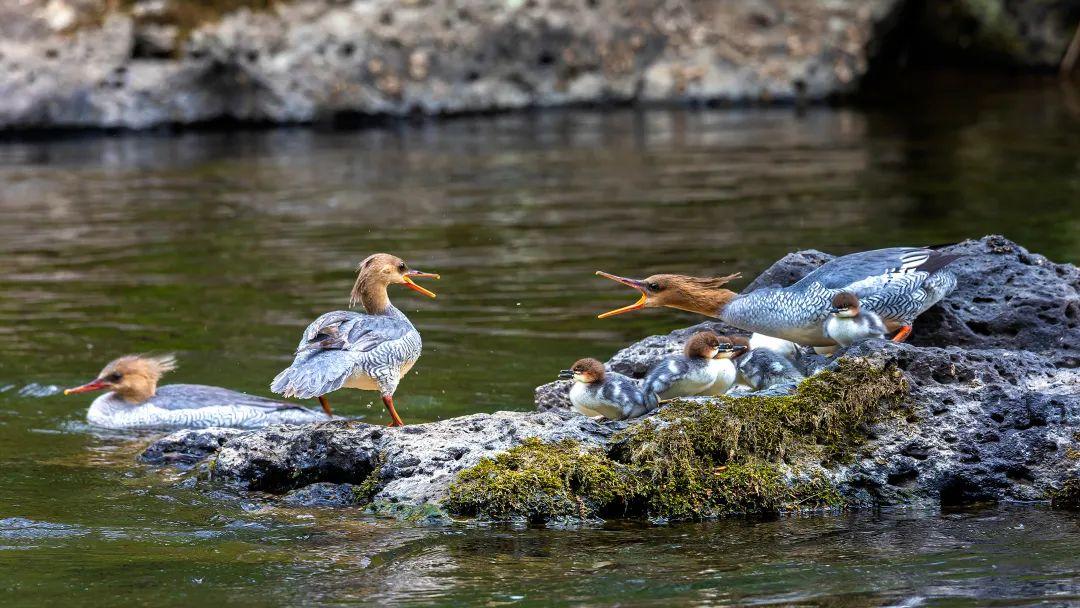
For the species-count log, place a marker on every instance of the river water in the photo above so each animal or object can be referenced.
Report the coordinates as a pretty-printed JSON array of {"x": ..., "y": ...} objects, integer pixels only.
[{"x": 220, "y": 246}]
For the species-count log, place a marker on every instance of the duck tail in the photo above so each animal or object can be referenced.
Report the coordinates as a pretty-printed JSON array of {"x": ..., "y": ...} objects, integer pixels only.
[{"x": 938, "y": 260}]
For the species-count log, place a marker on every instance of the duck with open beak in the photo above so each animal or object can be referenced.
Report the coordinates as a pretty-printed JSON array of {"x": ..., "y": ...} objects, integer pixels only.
[
  {"x": 897, "y": 284},
  {"x": 366, "y": 351}
]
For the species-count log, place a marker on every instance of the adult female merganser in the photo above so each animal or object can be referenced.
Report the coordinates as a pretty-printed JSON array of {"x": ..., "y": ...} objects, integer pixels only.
[
  {"x": 704, "y": 368},
  {"x": 763, "y": 368},
  {"x": 134, "y": 401},
  {"x": 597, "y": 392},
  {"x": 849, "y": 323},
  {"x": 370, "y": 351},
  {"x": 898, "y": 284}
]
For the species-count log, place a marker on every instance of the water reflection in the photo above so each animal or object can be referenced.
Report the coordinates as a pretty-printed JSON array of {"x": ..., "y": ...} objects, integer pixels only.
[{"x": 221, "y": 246}]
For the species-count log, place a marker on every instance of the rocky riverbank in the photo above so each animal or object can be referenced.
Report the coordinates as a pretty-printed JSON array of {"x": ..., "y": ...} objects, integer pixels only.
[
  {"x": 142, "y": 63},
  {"x": 984, "y": 404}
]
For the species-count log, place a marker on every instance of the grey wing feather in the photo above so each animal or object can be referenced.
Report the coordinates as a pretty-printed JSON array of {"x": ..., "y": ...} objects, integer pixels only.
[
  {"x": 850, "y": 269},
  {"x": 346, "y": 330},
  {"x": 194, "y": 396},
  {"x": 314, "y": 373}
]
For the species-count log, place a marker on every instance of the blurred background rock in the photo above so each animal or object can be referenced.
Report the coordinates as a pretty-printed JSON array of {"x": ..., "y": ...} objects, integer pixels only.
[{"x": 143, "y": 63}]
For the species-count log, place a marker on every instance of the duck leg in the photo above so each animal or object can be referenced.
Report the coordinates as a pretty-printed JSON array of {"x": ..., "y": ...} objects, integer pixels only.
[
  {"x": 388, "y": 401},
  {"x": 903, "y": 334},
  {"x": 325, "y": 403}
]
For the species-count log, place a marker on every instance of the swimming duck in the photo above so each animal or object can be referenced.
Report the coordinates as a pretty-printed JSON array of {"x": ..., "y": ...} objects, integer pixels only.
[
  {"x": 762, "y": 368},
  {"x": 597, "y": 392},
  {"x": 369, "y": 351},
  {"x": 135, "y": 401},
  {"x": 703, "y": 368},
  {"x": 898, "y": 284},
  {"x": 849, "y": 323}
]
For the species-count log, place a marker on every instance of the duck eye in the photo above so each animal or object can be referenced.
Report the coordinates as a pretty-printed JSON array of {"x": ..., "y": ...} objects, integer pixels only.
[
  {"x": 402, "y": 267},
  {"x": 114, "y": 377},
  {"x": 653, "y": 286}
]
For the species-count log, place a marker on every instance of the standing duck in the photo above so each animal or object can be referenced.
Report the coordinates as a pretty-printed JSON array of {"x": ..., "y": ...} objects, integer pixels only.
[
  {"x": 704, "y": 368},
  {"x": 597, "y": 392},
  {"x": 762, "y": 368},
  {"x": 849, "y": 323},
  {"x": 135, "y": 401},
  {"x": 367, "y": 351},
  {"x": 898, "y": 284}
]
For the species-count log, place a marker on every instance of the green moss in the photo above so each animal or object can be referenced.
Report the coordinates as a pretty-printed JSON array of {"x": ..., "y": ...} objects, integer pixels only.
[
  {"x": 824, "y": 418},
  {"x": 366, "y": 490},
  {"x": 1067, "y": 497},
  {"x": 540, "y": 480},
  {"x": 727, "y": 456}
]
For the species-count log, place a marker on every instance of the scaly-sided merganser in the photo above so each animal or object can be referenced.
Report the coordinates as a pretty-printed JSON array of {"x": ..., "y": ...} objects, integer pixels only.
[
  {"x": 898, "y": 284},
  {"x": 762, "y": 368},
  {"x": 597, "y": 392},
  {"x": 135, "y": 401},
  {"x": 848, "y": 323},
  {"x": 347, "y": 349},
  {"x": 704, "y": 368}
]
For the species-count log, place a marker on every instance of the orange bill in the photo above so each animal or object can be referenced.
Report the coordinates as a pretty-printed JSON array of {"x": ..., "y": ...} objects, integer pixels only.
[
  {"x": 635, "y": 284},
  {"x": 94, "y": 385},
  {"x": 417, "y": 274}
]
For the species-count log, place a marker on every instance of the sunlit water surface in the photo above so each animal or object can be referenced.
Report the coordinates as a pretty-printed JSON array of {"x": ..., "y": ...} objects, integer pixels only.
[{"x": 221, "y": 246}]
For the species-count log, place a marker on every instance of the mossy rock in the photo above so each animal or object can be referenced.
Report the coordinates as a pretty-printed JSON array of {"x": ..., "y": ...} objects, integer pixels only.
[
  {"x": 695, "y": 459},
  {"x": 541, "y": 481},
  {"x": 1067, "y": 497}
]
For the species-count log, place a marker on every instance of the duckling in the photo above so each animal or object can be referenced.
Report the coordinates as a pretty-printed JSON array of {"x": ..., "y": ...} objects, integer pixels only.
[
  {"x": 762, "y": 368},
  {"x": 597, "y": 392},
  {"x": 704, "y": 368},
  {"x": 785, "y": 348},
  {"x": 849, "y": 323},
  {"x": 370, "y": 352},
  {"x": 135, "y": 401},
  {"x": 898, "y": 284}
]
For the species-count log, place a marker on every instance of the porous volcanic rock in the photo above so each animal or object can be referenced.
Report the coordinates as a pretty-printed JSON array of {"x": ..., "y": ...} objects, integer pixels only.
[
  {"x": 415, "y": 463},
  {"x": 85, "y": 63},
  {"x": 984, "y": 424}
]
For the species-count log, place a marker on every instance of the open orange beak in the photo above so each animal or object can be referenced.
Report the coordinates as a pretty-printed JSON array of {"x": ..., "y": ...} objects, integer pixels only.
[
  {"x": 636, "y": 284},
  {"x": 94, "y": 385},
  {"x": 417, "y": 274}
]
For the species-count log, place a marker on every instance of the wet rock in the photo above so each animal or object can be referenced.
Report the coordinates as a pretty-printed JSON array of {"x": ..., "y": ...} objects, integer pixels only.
[
  {"x": 984, "y": 424},
  {"x": 324, "y": 495},
  {"x": 414, "y": 464},
  {"x": 188, "y": 446},
  {"x": 309, "y": 60}
]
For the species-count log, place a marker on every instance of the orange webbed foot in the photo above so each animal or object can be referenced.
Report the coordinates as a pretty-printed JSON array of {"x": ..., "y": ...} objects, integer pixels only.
[{"x": 903, "y": 334}]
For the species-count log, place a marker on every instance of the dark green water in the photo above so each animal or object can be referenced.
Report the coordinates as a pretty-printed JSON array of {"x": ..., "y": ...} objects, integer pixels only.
[{"x": 221, "y": 246}]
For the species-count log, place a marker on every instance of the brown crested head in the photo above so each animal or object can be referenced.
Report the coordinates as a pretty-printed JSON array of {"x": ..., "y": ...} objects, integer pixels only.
[
  {"x": 133, "y": 377},
  {"x": 741, "y": 345},
  {"x": 376, "y": 273},
  {"x": 702, "y": 345},
  {"x": 585, "y": 370},
  {"x": 703, "y": 295},
  {"x": 845, "y": 303}
]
